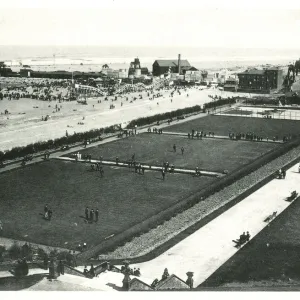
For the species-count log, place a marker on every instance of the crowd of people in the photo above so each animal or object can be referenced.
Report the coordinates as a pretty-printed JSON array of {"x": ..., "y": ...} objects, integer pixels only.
[
  {"x": 200, "y": 134},
  {"x": 91, "y": 215}
]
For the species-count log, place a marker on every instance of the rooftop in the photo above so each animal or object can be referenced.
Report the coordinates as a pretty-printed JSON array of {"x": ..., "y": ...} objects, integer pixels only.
[{"x": 172, "y": 62}]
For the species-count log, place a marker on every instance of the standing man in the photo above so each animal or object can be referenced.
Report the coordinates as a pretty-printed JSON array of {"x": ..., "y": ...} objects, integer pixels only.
[
  {"x": 49, "y": 214},
  {"x": 86, "y": 213},
  {"x": 182, "y": 150},
  {"x": 45, "y": 209},
  {"x": 61, "y": 268},
  {"x": 97, "y": 214},
  {"x": 92, "y": 215},
  {"x": 174, "y": 148},
  {"x": 163, "y": 174}
]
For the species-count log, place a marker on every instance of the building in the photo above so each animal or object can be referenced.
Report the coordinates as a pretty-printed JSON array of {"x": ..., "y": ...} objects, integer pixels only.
[
  {"x": 192, "y": 75},
  {"x": 231, "y": 85},
  {"x": 163, "y": 66},
  {"x": 136, "y": 70},
  {"x": 265, "y": 80}
]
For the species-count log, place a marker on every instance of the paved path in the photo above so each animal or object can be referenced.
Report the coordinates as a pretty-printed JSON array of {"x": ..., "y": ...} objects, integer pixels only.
[
  {"x": 210, "y": 247},
  {"x": 147, "y": 167},
  {"x": 223, "y": 137}
]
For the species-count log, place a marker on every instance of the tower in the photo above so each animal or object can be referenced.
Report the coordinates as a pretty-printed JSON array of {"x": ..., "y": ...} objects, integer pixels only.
[{"x": 179, "y": 63}]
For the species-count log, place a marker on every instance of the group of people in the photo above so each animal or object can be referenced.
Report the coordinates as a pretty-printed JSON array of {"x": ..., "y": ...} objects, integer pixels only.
[
  {"x": 90, "y": 272},
  {"x": 47, "y": 213},
  {"x": 281, "y": 174},
  {"x": 175, "y": 148},
  {"x": 91, "y": 215},
  {"x": 200, "y": 134},
  {"x": 244, "y": 237},
  {"x": 248, "y": 136},
  {"x": 155, "y": 130},
  {"x": 98, "y": 167}
]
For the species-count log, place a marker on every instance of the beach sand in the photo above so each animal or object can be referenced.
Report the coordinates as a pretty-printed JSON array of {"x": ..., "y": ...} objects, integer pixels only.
[{"x": 20, "y": 129}]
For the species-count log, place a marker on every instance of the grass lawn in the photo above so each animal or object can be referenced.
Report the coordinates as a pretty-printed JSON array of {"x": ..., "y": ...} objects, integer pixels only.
[
  {"x": 222, "y": 125},
  {"x": 122, "y": 197},
  {"x": 208, "y": 154},
  {"x": 259, "y": 262}
]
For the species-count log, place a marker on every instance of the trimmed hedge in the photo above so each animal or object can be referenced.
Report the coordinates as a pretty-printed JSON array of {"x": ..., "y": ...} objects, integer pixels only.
[
  {"x": 18, "y": 152},
  {"x": 262, "y": 101},
  {"x": 220, "y": 102},
  {"x": 160, "y": 117}
]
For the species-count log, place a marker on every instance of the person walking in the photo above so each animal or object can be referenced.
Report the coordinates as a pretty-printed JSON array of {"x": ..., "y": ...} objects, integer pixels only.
[{"x": 97, "y": 215}]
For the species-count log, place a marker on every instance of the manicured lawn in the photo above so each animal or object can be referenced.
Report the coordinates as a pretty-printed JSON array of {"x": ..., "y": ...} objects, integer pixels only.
[
  {"x": 222, "y": 125},
  {"x": 122, "y": 197},
  {"x": 259, "y": 262},
  {"x": 207, "y": 154}
]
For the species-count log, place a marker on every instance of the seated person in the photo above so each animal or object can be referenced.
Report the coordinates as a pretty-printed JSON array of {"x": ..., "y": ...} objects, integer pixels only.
[
  {"x": 85, "y": 271},
  {"x": 247, "y": 236},
  {"x": 154, "y": 283},
  {"x": 294, "y": 194}
]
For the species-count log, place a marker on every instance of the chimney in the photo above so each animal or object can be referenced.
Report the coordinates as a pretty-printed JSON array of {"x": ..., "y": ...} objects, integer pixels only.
[{"x": 179, "y": 63}]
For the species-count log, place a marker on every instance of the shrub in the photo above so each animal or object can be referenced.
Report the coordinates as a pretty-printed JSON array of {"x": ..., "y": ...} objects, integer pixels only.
[
  {"x": 15, "y": 251},
  {"x": 220, "y": 102},
  {"x": 164, "y": 116},
  {"x": 2, "y": 250},
  {"x": 41, "y": 254},
  {"x": 27, "y": 252}
]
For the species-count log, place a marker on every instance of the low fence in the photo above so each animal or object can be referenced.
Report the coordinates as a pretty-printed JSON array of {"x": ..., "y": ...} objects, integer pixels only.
[
  {"x": 154, "y": 221},
  {"x": 259, "y": 112}
]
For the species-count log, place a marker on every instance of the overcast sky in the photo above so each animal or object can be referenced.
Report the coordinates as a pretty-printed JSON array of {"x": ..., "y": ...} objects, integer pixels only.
[{"x": 245, "y": 24}]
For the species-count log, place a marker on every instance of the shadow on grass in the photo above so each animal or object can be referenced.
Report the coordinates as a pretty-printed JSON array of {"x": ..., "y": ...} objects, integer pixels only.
[{"x": 16, "y": 284}]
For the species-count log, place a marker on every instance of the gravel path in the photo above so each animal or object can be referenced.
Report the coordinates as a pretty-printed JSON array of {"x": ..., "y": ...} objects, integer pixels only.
[{"x": 145, "y": 243}]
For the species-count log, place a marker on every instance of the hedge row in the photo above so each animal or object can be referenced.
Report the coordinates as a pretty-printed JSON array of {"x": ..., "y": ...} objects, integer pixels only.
[
  {"x": 181, "y": 206},
  {"x": 262, "y": 101},
  {"x": 164, "y": 116},
  {"x": 219, "y": 102},
  {"x": 19, "y": 152}
]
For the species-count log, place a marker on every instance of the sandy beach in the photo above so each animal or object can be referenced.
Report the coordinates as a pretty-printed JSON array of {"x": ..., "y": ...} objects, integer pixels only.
[{"x": 19, "y": 129}]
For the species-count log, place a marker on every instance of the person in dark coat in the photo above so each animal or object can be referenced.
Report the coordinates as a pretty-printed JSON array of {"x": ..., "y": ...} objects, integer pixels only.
[
  {"x": 49, "y": 214},
  {"x": 97, "y": 215},
  {"x": 92, "y": 215},
  {"x": 61, "y": 268},
  {"x": 92, "y": 271},
  {"x": 86, "y": 213}
]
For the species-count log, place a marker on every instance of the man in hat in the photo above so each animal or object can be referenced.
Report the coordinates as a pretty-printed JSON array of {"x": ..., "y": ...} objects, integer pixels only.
[
  {"x": 190, "y": 280},
  {"x": 165, "y": 274},
  {"x": 92, "y": 215},
  {"x": 86, "y": 213},
  {"x": 97, "y": 215}
]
